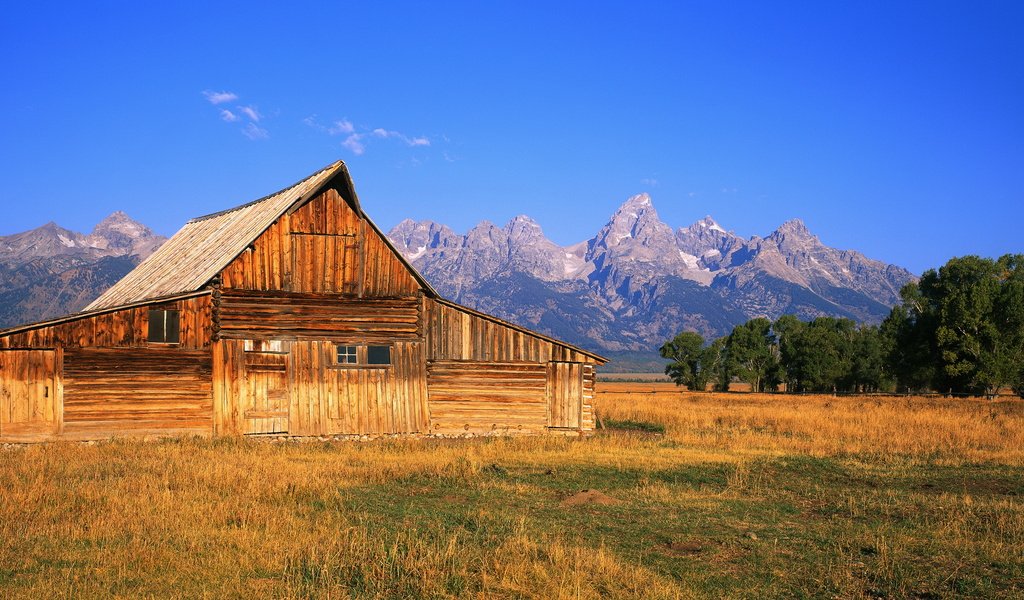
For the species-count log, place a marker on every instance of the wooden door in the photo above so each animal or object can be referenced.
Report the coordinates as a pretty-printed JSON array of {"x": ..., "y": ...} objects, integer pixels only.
[
  {"x": 565, "y": 395},
  {"x": 266, "y": 394},
  {"x": 30, "y": 402}
]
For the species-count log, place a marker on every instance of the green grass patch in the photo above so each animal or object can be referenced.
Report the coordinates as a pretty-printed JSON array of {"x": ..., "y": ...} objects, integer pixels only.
[{"x": 640, "y": 426}]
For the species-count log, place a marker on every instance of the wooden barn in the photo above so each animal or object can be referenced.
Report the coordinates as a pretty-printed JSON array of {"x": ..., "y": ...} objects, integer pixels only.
[{"x": 289, "y": 315}]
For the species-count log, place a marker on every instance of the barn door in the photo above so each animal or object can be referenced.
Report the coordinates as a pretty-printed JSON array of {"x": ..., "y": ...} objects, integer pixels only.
[
  {"x": 266, "y": 393},
  {"x": 565, "y": 395},
  {"x": 29, "y": 398}
]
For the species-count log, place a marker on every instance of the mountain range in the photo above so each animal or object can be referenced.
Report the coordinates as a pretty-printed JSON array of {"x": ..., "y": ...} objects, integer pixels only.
[
  {"x": 634, "y": 284},
  {"x": 51, "y": 271},
  {"x": 638, "y": 282}
]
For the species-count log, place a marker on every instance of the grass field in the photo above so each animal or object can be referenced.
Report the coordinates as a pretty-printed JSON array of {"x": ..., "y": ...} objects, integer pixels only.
[{"x": 685, "y": 495}]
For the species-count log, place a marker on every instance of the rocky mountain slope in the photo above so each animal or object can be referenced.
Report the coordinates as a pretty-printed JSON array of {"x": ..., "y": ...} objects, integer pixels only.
[
  {"x": 637, "y": 282},
  {"x": 51, "y": 271}
]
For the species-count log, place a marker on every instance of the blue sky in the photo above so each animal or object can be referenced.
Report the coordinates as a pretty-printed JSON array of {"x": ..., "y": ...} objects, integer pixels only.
[{"x": 896, "y": 129}]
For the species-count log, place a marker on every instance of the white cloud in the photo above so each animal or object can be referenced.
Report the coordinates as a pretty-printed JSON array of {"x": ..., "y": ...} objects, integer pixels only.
[
  {"x": 356, "y": 138},
  {"x": 251, "y": 112},
  {"x": 228, "y": 116},
  {"x": 354, "y": 144},
  {"x": 255, "y": 132},
  {"x": 398, "y": 135},
  {"x": 343, "y": 126},
  {"x": 220, "y": 97}
]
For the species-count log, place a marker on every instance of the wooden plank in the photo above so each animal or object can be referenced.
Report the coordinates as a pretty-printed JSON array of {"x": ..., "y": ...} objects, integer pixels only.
[
  {"x": 29, "y": 395},
  {"x": 125, "y": 388}
]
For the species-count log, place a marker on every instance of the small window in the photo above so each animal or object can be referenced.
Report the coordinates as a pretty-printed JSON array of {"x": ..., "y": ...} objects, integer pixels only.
[
  {"x": 164, "y": 326},
  {"x": 358, "y": 355},
  {"x": 347, "y": 355},
  {"x": 378, "y": 355}
]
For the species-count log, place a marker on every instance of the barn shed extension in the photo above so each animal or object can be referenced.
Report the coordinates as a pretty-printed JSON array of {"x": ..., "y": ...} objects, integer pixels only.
[{"x": 289, "y": 315}]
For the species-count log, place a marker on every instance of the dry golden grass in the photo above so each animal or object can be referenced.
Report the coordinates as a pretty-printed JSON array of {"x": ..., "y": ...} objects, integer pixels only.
[
  {"x": 184, "y": 518},
  {"x": 949, "y": 430},
  {"x": 743, "y": 496}
]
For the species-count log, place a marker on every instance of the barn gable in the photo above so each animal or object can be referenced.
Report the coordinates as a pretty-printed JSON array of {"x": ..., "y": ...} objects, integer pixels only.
[{"x": 208, "y": 245}]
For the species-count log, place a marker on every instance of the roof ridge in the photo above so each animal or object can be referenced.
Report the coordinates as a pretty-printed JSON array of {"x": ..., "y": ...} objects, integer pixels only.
[{"x": 333, "y": 165}]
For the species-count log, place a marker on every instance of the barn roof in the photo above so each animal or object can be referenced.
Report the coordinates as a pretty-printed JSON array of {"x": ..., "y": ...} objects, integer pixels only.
[{"x": 208, "y": 244}]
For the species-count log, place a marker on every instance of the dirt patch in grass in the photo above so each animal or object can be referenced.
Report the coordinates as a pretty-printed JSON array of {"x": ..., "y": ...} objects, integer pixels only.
[{"x": 587, "y": 497}]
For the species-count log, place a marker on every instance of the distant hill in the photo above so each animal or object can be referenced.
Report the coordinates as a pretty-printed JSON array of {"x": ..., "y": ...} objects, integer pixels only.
[
  {"x": 51, "y": 271},
  {"x": 638, "y": 282}
]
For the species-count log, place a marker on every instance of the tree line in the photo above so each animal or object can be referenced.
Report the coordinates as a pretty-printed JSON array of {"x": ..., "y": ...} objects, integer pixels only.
[{"x": 958, "y": 329}]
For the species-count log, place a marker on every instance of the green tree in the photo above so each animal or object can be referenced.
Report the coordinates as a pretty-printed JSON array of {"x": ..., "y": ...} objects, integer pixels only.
[
  {"x": 788, "y": 333},
  {"x": 867, "y": 362},
  {"x": 754, "y": 356},
  {"x": 960, "y": 327},
  {"x": 966, "y": 291},
  {"x": 1009, "y": 318},
  {"x": 908, "y": 339},
  {"x": 715, "y": 364},
  {"x": 685, "y": 351}
]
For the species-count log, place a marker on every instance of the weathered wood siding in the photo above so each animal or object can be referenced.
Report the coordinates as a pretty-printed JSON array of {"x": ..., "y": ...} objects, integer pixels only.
[
  {"x": 324, "y": 398},
  {"x": 455, "y": 334},
  {"x": 291, "y": 316},
  {"x": 30, "y": 382},
  {"x": 481, "y": 397},
  {"x": 487, "y": 376},
  {"x": 565, "y": 395},
  {"x": 265, "y": 400},
  {"x": 126, "y": 328},
  {"x": 370, "y": 400},
  {"x": 136, "y": 391},
  {"x": 322, "y": 247}
]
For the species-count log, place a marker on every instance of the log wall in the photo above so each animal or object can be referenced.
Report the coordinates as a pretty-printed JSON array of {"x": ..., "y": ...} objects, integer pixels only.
[
  {"x": 136, "y": 391},
  {"x": 481, "y": 397},
  {"x": 291, "y": 316}
]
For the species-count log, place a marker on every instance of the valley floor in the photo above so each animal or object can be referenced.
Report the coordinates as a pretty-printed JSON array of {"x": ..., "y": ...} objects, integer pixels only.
[{"x": 682, "y": 495}]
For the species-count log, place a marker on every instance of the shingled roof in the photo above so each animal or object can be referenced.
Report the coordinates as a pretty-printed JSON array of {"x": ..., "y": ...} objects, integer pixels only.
[{"x": 206, "y": 245}]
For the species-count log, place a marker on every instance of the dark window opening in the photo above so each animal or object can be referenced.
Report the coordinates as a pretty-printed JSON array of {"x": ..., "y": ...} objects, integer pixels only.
[
  {"x": 378, "y": 355},
  {"x": 164, "y": 326}
]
